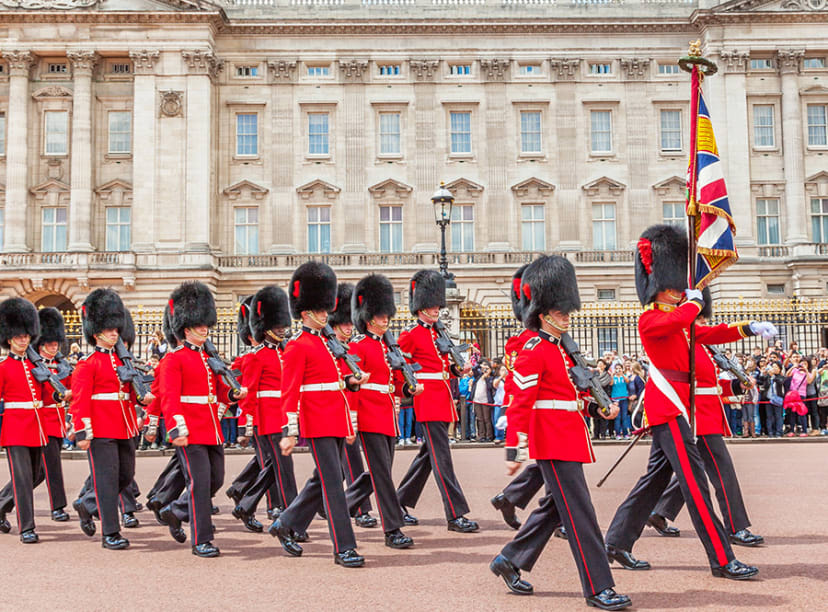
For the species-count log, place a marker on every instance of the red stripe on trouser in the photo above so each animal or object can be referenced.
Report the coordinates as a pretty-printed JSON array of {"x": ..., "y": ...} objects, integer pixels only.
[
  {"x": 192, "y": 496},
  {"x": 14, "y": 486},
  {"x": 721, "y": 481},
  {"x": 373, "y": 484},
  {"x": 695, "y": 492},
  {"x": 278, "y": 472},
  {"x": 325, "y": 495},
  {"x": 574, "y": 531},
  {"x": 437, "y": 469}
]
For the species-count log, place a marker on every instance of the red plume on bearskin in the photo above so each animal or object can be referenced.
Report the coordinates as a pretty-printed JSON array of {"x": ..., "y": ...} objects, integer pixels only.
[
  {"x": 243, "y": 320},
  {"x": 102, "y": 309},
  {"x": 313, "y": 288},
  {"x": 342, "y": 311},
  {"x": 269, "y": 309},
  {"x": 515, "y": 293},
  {"x": 645, "y": 251},
  {"x": 166, "y": 328},
  {"x": 192, "y": 305},
  {"x": 549, "y": 283},
  {"x": 662, "y": 264},
  {"x": 373, "y": 296},
  {"x": 428, "y": 289}
]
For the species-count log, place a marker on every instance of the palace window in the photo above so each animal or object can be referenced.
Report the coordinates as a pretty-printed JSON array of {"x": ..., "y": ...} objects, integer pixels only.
[
  {"x": 389, "y": 131},
  {"x": 247, "y": 134},
  {"x": 460, "y": 132},
  {"x": 533, "y": 227},
  {"x": 767, "y": 221},
  {"x": 462, "y": 228},
  {"x": 529, "y": 69},
  {"x": 603, "y": 227},
  {"x": 53, "y": 229},
  {"x": 319, "y": 229},
  {"x": 606, "y": 294},
  {"x": 600, "y": 122},
  {"x": 391, "y": 229},
  {"x": 319, "y": 71},
  {"x": 673, "y": 214},
  {"x": 246, "y": 230},
  {"x": 530, "y": 132},
  {"x": 763, "y": 135},
  {"x": 813, "y": 62},
  {"x": 118, "y": 219},
  {"x": 671, "y": 130},
  {"x": 668, "y": 68},
  {"x": 57, "y": 130},
  {"x": 247, "y": 71},
  {"x": 120, "y": 131},
  {"x": 318, "y": 134},
  {"x": 389, "y": 69},
  {"x": 817, "y": 136},
  {"x": 600, "y": 68},
  {"x": 761, "y": 63},
  {"x": 460, "y": 69},
  {"x": 120, "y": 68},
  {"x": 57, "y": 68},
  {"x": 819, "y": 220}
]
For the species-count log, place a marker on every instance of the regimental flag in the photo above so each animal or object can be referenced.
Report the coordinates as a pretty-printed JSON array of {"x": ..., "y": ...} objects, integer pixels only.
[{"x": 707, "y": 195}]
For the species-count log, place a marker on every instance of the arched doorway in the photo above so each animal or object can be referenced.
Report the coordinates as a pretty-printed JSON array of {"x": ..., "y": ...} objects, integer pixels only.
[
  {"x": 71, "y": 317},
  {"x": 56, "y": 300}
]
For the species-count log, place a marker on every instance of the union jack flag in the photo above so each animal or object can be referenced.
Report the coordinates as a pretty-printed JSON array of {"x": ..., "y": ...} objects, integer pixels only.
[{"x": 707, "y": 200}]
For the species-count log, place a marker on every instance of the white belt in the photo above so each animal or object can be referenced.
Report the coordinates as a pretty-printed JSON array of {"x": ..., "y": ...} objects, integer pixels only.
[
  {"x": 22, "y": 405},
  {"x": 198, "y": 399},
  {"x": 273, "y": 393},
  {"x": 120, "y": 395},
  {"x": 332, "y": 386},
  {"x": 554, "y": 404},
  {"x": 432, "y": 376},
  {"x": 389, "y": 388},
  {"x": 708, "y": 390}
]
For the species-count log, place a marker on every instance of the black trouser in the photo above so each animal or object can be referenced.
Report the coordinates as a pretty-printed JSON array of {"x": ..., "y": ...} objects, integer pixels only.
[
  {"x": 112, "y": 464},
  {"x": 823, "y": 416},
  {"x": 379, "y": 455},
  {"x": 813, "y": 412},
  {"x": 50, "y": 470},
  {"x": 722, "y": 475},
  {"x": 524, "y": 486},
  {"x": 352, "y": 468},
  {"x": 323, "y": 489},
  {"x": 566, "y": 488},
  {"x": 272, "y": 492},
  {"x": 277, "y": 469},
  {"x": 170, "y": 483},
  {"x": 203, "y": 466},
  {"x": 434, "y": 454},
  {"x": 248, "y": 475},
  {"x": 672, "y": 451},
  {"x": 24, "y": 465},
  {"x": 128, "y": 497}
]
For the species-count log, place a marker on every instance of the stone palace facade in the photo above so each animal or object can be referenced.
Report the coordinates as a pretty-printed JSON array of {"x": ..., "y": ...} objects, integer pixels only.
[{"x": 145, "y": 142}]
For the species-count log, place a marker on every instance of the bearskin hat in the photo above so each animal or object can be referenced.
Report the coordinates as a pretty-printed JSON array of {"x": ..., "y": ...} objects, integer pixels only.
[
  {"x": 342, "y": 311},
  {"x": 128, "y": 333},
  {"x": 312, "y": 287},
  {"x": 515, "y": 293},
  {"x": 102, "y": 309},
  {"x": 427, "y": 289},
  {"x": 269, "y": 308},
  {"x": 548, "y": 283},
  {"x": 166, "y": 329},
  {"x": 243, "y": 320},
  {"x": 707, "y": 309},
  {"x": 192, "y": 304},
  {"x": 660, "y": 262},
  {"x": 373, "y": 296},
  {"x": 17, "y": 317},
  {"x": 52, "y": 327}
]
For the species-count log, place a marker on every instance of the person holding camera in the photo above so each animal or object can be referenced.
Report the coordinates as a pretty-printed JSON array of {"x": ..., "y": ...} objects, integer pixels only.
[{"x": 776, "y": 397}]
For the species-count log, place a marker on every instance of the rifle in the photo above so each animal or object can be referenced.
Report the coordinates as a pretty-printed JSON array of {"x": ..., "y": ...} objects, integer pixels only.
[
  {"x": 339, "y": 351},
  {"x": 730, "y": 365},
  {"x": 222, "y": 370},
  {"x": 582, "y": 377},
  {"x": 446, "y": 345},
  {"x": 129, "y": 373},
  {"x": 64, "y": 368},
  {"x": 42, "y": 374},
  {"x": 397, "y": 361}
]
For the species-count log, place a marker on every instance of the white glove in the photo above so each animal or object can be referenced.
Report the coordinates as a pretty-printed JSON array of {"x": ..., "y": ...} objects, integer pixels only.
[
  {"x": 693, "y": 294},
  {"x": 766, "y": 329},
  {"x": 501, "y": 423},
  {"x": 522, "y": 448}
]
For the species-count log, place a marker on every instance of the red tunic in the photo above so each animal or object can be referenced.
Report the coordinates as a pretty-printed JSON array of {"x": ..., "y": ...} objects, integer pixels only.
[
  {"x": 54, "y": 415},
  {"x": 513, "y": 347},
  {"x": 191, "y": 395},
  {"x": 239, "y": 363},
  {"x": 546, "y": 404},
  {"x": 307, "y": 363},
  {"x": 710, "y": 413},
  {"x": 22, "y": 423},
  {"x": 262, "y": 375},
  {"x": 101, "y": 404},
  {"x": 435, "y": 403},
  {"x": 375, "y": 403},
  {"x": 664, "y": 336}
]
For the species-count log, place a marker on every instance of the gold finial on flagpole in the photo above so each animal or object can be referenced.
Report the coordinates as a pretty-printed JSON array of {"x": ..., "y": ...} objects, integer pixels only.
[
  {"x": 695, "y": 48},
  {"x": 694, "y": 58}
]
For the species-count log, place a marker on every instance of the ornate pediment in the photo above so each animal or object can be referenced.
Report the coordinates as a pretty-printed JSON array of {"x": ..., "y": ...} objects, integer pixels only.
[
  {"x": 390, "y": 188},
  {"x": 603, "y": 186},
  {"x": 245, "y": 190},
  {"x": 52, "y": 91},
  {"x": 673, "y": 184},
  {"x": 327, "y": 190},
  {"x": 771, "y": 6},
  {"x": 116, "y": 192},
  {"x": 464, "y": 188},
  {"x": 533, "y": 187},
  {"x": 817, "y": 184},
  {"x": 51, "y": 192}
]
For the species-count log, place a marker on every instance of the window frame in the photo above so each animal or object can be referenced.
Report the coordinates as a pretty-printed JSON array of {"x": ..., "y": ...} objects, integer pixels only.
[
  {"x": 675, "y": 69},
  {"x": 390, "y": 64},
  {"x": 610, "y": 111},
  {"x": 319, "y": 224},
  {"x": 461, "y": 75},
  {"x": 3, "y": 115},
  {"x": 815, "y": 68},
  {"x": 600, "y": 63},
  {"x": 823, "y": 215},
  {"x": 540, "y": 152},
  {"x": 682, "y": 218},
  {"x": 773, "y": 126},
  {"x": 242, "y": 66},
  {"x": 457, "y": 110},
  {"x": 765, "y": 215},
  {"x": 381, "y": 112},
  {"x": 129, "y": 132},
  {"x": 255, "y": 226},
  {"x": 55, "y": 224},
  {"x": 771, "y": 64},
  {"x": 320, "y": 65},
  {"x": 462, "y": 224},
  {"x": 603, "y": 220},
  {"x": 824, "y": 126},
  {"x": 247, "y": 112},
  {"x": 670, "y": 109},
  {"x": 392, "y": 224},
  {"x": 65, "y": 153},
  {"x": 534, "y": 223},
  {"x": 318, "y": 108},
  {"x": 120, "y": 224}
]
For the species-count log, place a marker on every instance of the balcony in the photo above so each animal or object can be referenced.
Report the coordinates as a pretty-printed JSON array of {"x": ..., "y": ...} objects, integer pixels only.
[{"x": 60, "y": 260}]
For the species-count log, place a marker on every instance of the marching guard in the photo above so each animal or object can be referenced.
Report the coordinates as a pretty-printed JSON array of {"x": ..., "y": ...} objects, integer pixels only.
[
  {"x": 313, "y": 399},
  {"x": 661, "y": 280},
  {"x": 23, "y": 434},
  {"x": 434, "y": 407},
  {"x": 372, "y": 306},
  {"x": 546, "y": 415}
]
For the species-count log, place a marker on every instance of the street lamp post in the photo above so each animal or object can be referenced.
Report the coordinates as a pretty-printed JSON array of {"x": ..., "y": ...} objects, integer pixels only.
[{"x": 443, "y": 200}]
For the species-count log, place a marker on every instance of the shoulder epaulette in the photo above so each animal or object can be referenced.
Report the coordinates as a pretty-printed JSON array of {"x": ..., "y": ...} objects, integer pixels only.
[
  {"x": 296, "y": 335},
  {"x": 3, "y": 358},
  {"x": 357, "y": 338},
  {"x": 176, "y": 349},
  {"x": 531, "y": 343},
  {"x": 257, "y": 348},
  {"x": 85, "y": 357},
  {"x": 410, "y": 326}
]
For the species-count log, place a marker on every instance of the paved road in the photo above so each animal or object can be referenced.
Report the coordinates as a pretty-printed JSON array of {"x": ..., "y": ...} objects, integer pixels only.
[{"x": 784, "y": 485}]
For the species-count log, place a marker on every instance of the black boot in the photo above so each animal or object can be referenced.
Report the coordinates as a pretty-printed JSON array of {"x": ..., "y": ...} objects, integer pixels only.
[
  {"x": 130, "y": 522},
  {"x": 115, "y": 542},
  {"x": 625, "y": 559},
  {"x": 608, "y": 599},
  {"x": 349, "y": 558},
  {"x": 397, "y": 539},
  {"x": 660, "y": 524},
  {"x": 463, "y": 525},
  {"x": 365, "y": 521},
  {"x": 501, "y": 566},
  {"x": 745, "y": 538},
  {"x": 173, "y": 524},
  {"x": 206, "y": 550},
  {"x": 59, "y": 515},
  {"x": 248, "y": 520},
  {"x": 735, "y": 570},
  {"x": 87, "y": 525},
  {"x": 507, "y": 509},
  {"x": 286, "y": 538},
  {"x": 29, "y": 537}
]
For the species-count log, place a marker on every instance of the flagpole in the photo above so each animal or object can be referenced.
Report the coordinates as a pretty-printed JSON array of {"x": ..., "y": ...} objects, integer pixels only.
[{"x": 698, "y": 67}]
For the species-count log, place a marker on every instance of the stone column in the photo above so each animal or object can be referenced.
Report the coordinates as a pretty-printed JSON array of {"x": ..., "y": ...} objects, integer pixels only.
[
  {"x": 795, "y": 204},
  {"x": 144, "y": 117},
  {"x": 498, "y": 196},
  {"x": 203, "y": 67},
  {"x": 426, "y": 235},
  {"x": 80, "y": 196},
  {"x": 15, "y": 235},
  {"x": 286, "y": 224},
  {"x": 353, "y": 196},
  {"x": 631, "y": 216},
  {"x": 564, "y": 215}
]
